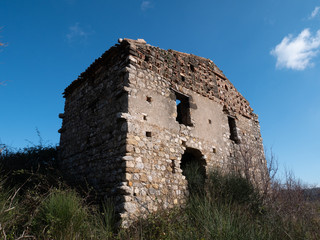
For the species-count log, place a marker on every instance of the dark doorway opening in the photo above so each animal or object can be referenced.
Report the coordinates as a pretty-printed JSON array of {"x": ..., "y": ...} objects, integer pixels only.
[
  {"x": 183, "y": 109},
  {"x": 193, "y": 168}
]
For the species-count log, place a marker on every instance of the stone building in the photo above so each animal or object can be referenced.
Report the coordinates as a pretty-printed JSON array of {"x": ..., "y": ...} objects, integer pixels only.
[{"x": 139, "y": 114}]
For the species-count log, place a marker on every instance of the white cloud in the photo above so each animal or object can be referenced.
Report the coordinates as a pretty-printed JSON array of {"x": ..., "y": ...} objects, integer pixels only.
[
  {"x": 314, "y": 12},
  {"x": 145, "y": 5},
  {"x": 297, "y": 52},
  {"x": 76, "y": 32}
]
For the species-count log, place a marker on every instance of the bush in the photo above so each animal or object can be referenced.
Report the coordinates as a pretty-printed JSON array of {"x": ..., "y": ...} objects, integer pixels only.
[
  {"x": 34, "y": 158},
  {"x": 216, "y": 212},
  {"x": 30, "y": 203},
  {"x": 234, "y": 189},
  {"x": 230, "y": 208},
  {"x": 62, "y": 216},
  {"x": 226, "y": 209},
  {"x": 27, "y": 176},
  {"x": 218, "y": 220}
]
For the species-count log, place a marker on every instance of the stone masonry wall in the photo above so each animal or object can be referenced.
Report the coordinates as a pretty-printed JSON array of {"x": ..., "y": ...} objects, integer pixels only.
[
  {"x": 121, "y": 135},
  {"x": 93, "y": 134},
  {"x": 192, "y": 72},
  {"x": 156, "y": 141}
]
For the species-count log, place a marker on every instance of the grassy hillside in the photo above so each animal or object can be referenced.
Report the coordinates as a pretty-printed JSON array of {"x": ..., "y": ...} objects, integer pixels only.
[{"x": 36, "y": 203}]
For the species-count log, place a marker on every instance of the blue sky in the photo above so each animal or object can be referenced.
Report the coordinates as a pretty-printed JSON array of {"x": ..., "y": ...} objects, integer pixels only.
[{"x": 269, "y": 49}]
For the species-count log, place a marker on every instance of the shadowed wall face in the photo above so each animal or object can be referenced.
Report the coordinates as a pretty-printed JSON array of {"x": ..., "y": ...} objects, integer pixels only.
[{"x": 93, "y": 136}]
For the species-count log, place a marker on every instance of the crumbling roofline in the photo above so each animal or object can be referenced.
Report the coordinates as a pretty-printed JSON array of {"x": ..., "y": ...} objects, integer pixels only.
[{"x": 105, "y": 60}]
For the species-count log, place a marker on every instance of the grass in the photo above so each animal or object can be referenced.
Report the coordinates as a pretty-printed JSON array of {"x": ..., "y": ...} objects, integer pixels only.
[
  {"x": 62, "y": 216},
  {"x": 231, "y": 208},
  {"x": 35, "y": 203},
  {"x": 9, "y": 211}
]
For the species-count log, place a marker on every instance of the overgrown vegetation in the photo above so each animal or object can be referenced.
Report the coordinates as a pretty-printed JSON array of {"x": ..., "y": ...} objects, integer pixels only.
[
  {"x": 35, "y": 203},
  {"x": 230, "y": 208}
]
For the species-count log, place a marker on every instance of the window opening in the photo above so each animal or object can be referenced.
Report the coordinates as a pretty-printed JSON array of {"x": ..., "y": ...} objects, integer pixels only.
[
  {"x": 149, "y": 99},
  {"x": 148, "y": 134},
  {"x": 173, "y": 166},
  {"x": 183, "y": 109},
  {"x": 233, "y": 129}
]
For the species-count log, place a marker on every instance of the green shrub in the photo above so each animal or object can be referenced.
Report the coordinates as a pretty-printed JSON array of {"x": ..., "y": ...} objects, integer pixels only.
[
  {"x": 225, "y": 209},
  {"x": 233, "y": 188},
  {"x": 223, "y": 221},
  {"x": 33, "y": 158},
  {"x": 34, "y": 168},
  {"x": 62, "y": 216}
]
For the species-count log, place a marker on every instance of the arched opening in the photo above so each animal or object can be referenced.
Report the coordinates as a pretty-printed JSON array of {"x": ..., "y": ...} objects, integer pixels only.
[{"x": 193, "y": 168}]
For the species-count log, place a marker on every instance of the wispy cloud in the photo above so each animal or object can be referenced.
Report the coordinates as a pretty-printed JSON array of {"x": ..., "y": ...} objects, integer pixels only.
[
  {"x": 297, "y": 52},
  {"x": 315, "y": 12},
  {"x": 3, "y": 83},
  {"x": 145, "y": 5},
  {"x": 78, "y": 33}
]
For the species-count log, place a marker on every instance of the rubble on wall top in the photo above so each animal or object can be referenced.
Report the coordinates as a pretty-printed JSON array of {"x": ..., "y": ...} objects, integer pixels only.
[
  {"x": 139, "y": 40},
  {"x": 196, "y": 73}
]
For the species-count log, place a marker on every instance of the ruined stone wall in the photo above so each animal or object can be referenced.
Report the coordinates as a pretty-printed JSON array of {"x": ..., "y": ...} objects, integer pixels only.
[
  {"x": 195, "y": 73},
  {"x": 120, "y": 131},
  {"x": 156, "y": 142},
  {"x": 93, "y": 135}
]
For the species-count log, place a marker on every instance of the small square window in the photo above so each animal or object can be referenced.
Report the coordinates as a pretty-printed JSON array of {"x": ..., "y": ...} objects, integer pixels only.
[
  {"x": 173, "y": 166},
  {"x": 148, "y": 134},
  {"x": 149, "y": 99}
]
